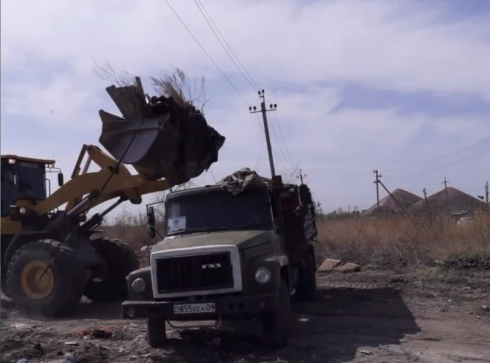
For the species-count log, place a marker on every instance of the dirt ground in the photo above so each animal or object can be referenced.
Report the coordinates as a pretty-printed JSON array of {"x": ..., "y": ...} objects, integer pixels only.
[{"x": 371, "y": 316}]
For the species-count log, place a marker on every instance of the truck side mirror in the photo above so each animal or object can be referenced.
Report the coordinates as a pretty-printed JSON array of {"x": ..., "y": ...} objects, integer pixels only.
[
  {"x": 150, "y": 228},
  {"x": 61, "y": 179}
]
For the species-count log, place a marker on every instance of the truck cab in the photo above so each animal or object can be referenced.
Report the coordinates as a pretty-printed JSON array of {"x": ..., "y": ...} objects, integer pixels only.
[{"x": 229, "y": 256}]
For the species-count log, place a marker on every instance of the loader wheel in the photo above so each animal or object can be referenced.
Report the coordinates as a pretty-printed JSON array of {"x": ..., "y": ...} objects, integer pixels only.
[
  {"x": 45, "y": 280},
  {"x": 121, "y": 261}
]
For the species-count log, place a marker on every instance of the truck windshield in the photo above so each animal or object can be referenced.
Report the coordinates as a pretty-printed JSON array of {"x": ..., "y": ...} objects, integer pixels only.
[{"x": 218, "y": 210}]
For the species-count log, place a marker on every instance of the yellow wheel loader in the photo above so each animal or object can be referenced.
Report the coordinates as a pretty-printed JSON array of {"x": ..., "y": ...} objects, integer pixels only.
[{"x": 51, "y": 257}]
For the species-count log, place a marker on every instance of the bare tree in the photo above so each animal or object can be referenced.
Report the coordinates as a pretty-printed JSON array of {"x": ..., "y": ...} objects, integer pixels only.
[{"x": 289, "y": 175}]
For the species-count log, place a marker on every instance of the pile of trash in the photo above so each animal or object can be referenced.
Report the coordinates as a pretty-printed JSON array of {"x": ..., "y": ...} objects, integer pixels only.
[
  {"x": 159, "y": 136},
  {"x": 239, "y": 181}
]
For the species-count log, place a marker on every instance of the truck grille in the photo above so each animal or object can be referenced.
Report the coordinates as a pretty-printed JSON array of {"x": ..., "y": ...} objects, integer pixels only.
[{"x": 191, "y": 273}]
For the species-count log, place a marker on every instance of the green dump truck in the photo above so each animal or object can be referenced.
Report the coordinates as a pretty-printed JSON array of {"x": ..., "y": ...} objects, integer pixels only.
[{"x": 239, "y": 250}]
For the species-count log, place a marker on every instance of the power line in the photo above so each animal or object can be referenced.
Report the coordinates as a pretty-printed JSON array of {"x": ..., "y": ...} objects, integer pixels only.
[
  {"x": 481, "y": 152},
  {"x": 206, "y": 15},
  {"x": 283, "y": 139},
  {"x": 280, "y": 146},
  {"x": 487, "y": 139},
  {"x": 207, "y": 54},
  {"x": 411, "y": 181}
]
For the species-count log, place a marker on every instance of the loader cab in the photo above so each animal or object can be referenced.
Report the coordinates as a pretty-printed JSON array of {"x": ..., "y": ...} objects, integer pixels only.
[{"x": 24, "y": 179}]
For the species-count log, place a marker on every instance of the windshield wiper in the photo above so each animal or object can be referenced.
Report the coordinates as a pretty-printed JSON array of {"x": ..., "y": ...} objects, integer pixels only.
[
  {"x": 183, "y": 230},
  {"x": 243, "y": 226}
]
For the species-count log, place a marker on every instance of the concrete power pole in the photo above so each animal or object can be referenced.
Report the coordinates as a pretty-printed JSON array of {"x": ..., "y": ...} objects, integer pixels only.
[
  {"x": 445, "y": 192},
  {"x": 301, "y": 175},
  {"x": 263, "y": 110},
  {"x": 377, "y": 186},
  {"x": 427, "y": 205},
  {"x": 486, "y": 192}
]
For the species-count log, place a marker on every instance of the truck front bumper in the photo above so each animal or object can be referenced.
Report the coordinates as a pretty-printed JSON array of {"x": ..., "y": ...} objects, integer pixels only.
[{"x": 230, "y": 307}]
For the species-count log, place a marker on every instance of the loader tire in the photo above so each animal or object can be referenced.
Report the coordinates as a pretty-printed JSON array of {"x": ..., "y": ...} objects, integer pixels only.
[
  {"x": 121, "y": 261},
  {"x": 45, "y": 280}
]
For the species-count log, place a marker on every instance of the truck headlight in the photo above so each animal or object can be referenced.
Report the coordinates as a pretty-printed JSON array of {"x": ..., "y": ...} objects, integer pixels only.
[
  {"x": 262, "y": 275},
  {"x": 138, "y": 285}
]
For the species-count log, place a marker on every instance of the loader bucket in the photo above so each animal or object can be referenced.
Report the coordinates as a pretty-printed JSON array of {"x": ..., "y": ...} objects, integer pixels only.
[{"x": 160, "y": 139}]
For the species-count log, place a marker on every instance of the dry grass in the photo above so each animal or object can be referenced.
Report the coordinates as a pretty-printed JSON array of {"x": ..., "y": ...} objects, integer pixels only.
[
  {"x": 381, "y": 243},
  {"x": 403, "y": 241}
]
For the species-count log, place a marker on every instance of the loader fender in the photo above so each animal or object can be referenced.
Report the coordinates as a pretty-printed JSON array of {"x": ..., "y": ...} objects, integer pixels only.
[
  {"x": 21, "y": 239},
  {"x": 84, "y": 252}
]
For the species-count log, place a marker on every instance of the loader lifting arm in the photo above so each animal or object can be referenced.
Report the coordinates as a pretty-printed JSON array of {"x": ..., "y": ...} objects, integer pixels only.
[{"x": 122, "y": 183}]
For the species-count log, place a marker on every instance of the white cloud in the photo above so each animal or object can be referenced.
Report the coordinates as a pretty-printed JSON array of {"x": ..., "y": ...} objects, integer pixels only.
[
  {"x": 396, "y": 45},
  {"x": 299, "y": 49},
  {"x": 62, "y": 100}
]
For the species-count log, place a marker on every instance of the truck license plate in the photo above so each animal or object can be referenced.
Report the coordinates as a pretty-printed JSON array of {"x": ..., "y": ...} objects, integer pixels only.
[{"x": 194, "y": 308}]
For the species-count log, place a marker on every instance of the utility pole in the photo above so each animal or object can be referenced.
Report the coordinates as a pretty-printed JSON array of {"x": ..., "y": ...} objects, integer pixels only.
[
  {"x": 263, "y": 110},
  {"x": 445, "y": 192},
  {"x": 377, "y": 186},
  {"x": 427, "y": 205},
  {"x": 301, "y": 175},
  {"x": 486, "y": 192}
]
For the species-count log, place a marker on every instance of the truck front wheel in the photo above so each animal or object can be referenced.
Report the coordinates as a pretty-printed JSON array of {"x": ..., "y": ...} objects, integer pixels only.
[
  {"x": 277, "y": 324},
  {"x": 157, "y": 335}
]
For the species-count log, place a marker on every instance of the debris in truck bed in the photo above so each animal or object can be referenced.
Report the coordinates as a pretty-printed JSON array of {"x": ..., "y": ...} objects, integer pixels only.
[
  {"x": 159, "y": 137},
  {"x": 238, "y": 181}
]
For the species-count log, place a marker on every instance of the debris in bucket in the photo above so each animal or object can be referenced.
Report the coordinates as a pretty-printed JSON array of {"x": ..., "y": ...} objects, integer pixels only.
[{"x": 158, "y": 136}]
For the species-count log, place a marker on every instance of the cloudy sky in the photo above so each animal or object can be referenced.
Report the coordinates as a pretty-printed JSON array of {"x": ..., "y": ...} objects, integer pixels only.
[{"x": 398, "y": 86}]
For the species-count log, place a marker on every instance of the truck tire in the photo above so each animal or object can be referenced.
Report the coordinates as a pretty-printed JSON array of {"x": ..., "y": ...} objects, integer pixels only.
[
  {"x": 157, "y": 334},
  {"x": 121, "y": 261},
  {"x": 307, "y": 280},
  {"x": 45, "y": 280},
  {"x": 277, "y": 324}
]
